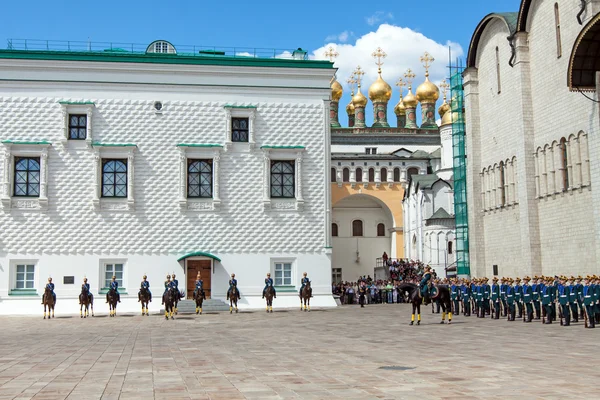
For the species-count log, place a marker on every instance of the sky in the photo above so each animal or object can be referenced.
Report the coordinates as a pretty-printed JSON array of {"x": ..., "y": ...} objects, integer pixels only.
[{"x": 403, "y": 29}]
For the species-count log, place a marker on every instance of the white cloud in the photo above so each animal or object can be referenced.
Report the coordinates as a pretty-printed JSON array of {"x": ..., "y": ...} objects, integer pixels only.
[
  {"x": 378, "y": 17},
  {"x": 341, "y": 37}
]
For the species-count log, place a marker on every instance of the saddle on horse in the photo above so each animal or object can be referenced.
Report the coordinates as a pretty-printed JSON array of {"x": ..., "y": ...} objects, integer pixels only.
[{"x": 428, "y": 292}]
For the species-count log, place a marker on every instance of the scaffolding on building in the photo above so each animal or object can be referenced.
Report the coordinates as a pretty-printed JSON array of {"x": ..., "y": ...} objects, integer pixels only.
[{"x": 459, "y": 169}]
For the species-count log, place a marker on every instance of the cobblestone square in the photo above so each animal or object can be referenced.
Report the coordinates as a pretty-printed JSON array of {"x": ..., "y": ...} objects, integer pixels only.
[{"x": 342, "y": 353}]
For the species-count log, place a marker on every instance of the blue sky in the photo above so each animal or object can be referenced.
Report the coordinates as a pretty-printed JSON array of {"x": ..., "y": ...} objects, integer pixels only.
[{"x": 309, "y": 24}]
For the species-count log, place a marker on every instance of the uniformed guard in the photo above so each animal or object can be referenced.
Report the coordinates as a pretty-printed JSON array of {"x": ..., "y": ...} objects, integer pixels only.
[
  {"x": 167, "y": 287},
  {"x": 85, "y": 285},
  {"x": 455, "y": 296},
  {"x": 269, "y": 282},
  {"x": 466, "y": 297},
  {"x": 424, "y": 285},
  {"x": 510, "y": 299},
  {"x": 527, "y": 296},
  {"x": 503, "y": 296},
  {"x": 362, "y": 293},
  {"x": 547, "y": 295},
  {"x": 144, "y": 285},
  {"x": 114, "y": 285},
  {"x": 50, "y": 286},
  {"x": 535, "y": 288},
  {"x": 476, "y": 286},
  {"x": 199, "y": 285},
  {"x": 563, "y": 301},
  {"x": 573, "y": 297},
  {"x": 495, "y": 298},
  {"x": 233, "y": 286},
  {"x": 303, "y": 283},
  {"x": 175, "y": 282},
  {"x": 596, "y": 285},
  {"x": 486, "y": 292},
  {"x": 579, "y": 289},
  {"x": 518, "y": 297},
  {"x": 588, "y": 302}
]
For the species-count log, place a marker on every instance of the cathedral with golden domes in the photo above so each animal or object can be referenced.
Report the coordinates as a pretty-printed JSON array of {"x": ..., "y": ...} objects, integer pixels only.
[{"x": 391, "y": 187}]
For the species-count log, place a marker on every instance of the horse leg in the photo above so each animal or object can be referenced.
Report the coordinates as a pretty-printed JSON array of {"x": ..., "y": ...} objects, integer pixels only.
[
  {"x": 52, "y": 310},
  {"x": 230, "y": 305},
  {"x": 44, "y": 310},
  {"x": 443, "y": 313},
  {"x": 92, "y": 306},
  {"x": 418, "y": 313},
  {"x": 449, "y": 315},
  {"x": 308, "y": 305},
  {"x": 236, "y": 300},
  {"x": 80, "y": 309},
  {"x": 412, "y": 317}
]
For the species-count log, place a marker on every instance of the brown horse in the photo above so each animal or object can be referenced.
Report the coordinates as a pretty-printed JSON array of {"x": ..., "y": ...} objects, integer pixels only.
[
  {"x": 85, "y": 302},
  {"x": 112, "y": 298},
  {"x": 199, "y": 297},
  {"x": 145, "y": 300},
  {"x": 48, "y": 300},
  {"x": 169, "y": 300},
  {"x": 305, "y": 297},
  {"x": 269, "y": 294},
  {"x": 233, "y": 295}
]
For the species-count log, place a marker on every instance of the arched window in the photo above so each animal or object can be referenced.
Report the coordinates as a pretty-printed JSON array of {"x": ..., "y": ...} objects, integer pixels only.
[
  {"x": 396, "y": 174},
  {"x": 334, "y": 229},
  {"x": 383, "y": 174},
  {"x": 357, "y": 227},
  {"x": 412, "y": 171},
  {"x": 557, "y": 27},
  {"x": 450, "y": 247},
  {"x": 371, "y": 175},
  {"x": 564, "y": 163},
  {"x": 502, "y": 183},
  {"x": 380, "y": 230},
  {"x": 346, "y": 175},
  {"x": 498, "y": 69},
  {"x": 359, "y": 174},
  {"x": 333, "y": 175}
]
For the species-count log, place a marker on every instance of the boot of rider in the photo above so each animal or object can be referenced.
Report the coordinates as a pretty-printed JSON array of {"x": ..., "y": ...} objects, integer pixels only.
[
  {"x": 149, "y": 297},
  {"x": 119, "y": 297},
  {"x": 106, "y": 298},
  {"x": 139, "y": 297}
]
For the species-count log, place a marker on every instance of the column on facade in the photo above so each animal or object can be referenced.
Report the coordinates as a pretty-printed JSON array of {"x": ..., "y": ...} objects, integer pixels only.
[
  {"x": 585, "y": 160},
  {"x": 353, "y": 175},
  {"x": 544, "y": 172},
  {"x": 576, "y": 161}
]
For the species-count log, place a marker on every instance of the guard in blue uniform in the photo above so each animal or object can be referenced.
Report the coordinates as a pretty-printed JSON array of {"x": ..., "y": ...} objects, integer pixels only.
[
  {"x": 519, "y": 297},
  {"x": 50, "y": 286},
  {"x": 85, "y": 285},
  {"x": 269, "y": 282},
  {"x": 495, "y": 298},
  {"x": 485, "y": 297},
  {"x": 547, "y": 300},
  {"x": 563, "y": 301},
  {"x": 424, "y": 285},
  {"x": 455, "y": 296},
  {"x": 466, "y": 297},
  {"x": 304, "y": 281},
  {"x": 114, "y": 285},
  {"x": 145, "y": 285},
  {"x": 579, "y": 289},
  {"x": 572, "y": 293},
  {"x": 175, "y": 282},
  {"x": 527, "y": 296},
  {"x": 233, "y": 285},
  {"x": 168, "y": 285},
  {"x": 503, "y": 296},
  {"x": 510, "y": 299},
  {"x": 588, "y": 302},
  {"x": 535, "y": 288},
  {"x": 199, "y": 286}
]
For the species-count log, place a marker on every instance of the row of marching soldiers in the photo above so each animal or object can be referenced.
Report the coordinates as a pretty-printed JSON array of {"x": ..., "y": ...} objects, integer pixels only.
[{"x": 576, "y": 298}]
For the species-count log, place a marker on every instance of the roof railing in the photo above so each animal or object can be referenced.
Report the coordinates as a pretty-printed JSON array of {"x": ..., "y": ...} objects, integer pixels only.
[{"x": 137, "y": 48}]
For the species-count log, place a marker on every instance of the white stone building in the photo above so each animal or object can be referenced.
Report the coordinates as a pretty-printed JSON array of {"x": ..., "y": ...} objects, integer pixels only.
[
  {"x": 153, "y": 162},
  {"x": 533, "y": 140}
]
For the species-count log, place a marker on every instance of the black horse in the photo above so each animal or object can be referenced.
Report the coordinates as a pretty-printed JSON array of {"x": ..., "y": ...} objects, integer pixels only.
[
  {"x": 269, "y": 294},
  {"x": 86, "y": 300},
  {"x": 144, "y": 297},
  {"x": 112, "y": 299},
  {"x": 442, "y": 296},
  {"x": 169, "y": 299},
  {"x": 199, "y": 297}
]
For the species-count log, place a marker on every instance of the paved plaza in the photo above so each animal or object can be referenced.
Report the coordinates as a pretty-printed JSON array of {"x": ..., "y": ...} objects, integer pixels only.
[{"x": 343, "y": 353}]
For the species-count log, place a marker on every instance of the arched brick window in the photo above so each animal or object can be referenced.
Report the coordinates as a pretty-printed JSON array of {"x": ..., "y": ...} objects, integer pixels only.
[
  {"x": 359, "y": 173},
  {"x": 346, "y": 175},
  {"x": 357, "y": 227},
  {"x": 396, "y": 174},
  {"x": 334, "y": 229},
  {"x": 371, "y": 175},
  {"x": 383, "y": 174}
]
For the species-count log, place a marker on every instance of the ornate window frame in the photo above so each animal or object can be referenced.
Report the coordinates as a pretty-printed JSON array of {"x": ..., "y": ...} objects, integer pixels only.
[
  {"x": 233, "y": 111},
  {"x": 14, "y": 149},
  {"x": 77, "y": 107},
  {"x": 199, "y": 151},
  {"x": 113, "y": 150},
  {"x": 282, "y": 153}
]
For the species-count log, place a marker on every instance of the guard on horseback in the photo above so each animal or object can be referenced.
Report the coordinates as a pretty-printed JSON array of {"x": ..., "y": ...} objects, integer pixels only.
[
  {"x": 175, "y": 282},
  {"x": 86, "y": 286},
  {"x": 304, "y": 281},
  {"x": 168, "y": 285},
  {"x": 269, "y": 282},
  {"x": 425, "y": 287},
  {"x": 233, "y": 286},
  {"x": 114, "y": 285},
  {"x": 144, "y": 285},
  {"x": 50, "y": 286},
  {"x": 199, "y": 286}
]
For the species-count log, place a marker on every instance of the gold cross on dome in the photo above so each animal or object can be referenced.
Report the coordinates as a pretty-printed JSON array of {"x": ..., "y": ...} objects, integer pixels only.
[
  {"x": 409, "y": 76},
  {"x": 444, "y": 86},
  {"x": 400, "y": 83},
  {"x": 379, "y": 54},
  {"x": 358, "y": 74},
  {"x": 426, "y": 60},
  {"x": 351, "y": 81},
  {"x": 331, "y": 53}
]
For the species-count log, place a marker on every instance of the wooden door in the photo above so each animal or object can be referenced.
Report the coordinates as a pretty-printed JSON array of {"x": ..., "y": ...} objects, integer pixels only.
[{"x": 193, "y": 267}]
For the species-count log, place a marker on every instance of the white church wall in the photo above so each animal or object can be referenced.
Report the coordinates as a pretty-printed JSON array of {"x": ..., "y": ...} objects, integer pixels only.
[{"x": 502, "y": 243}]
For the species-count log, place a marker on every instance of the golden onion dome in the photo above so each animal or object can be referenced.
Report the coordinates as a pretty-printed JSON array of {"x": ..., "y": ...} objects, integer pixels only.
[
  {"x": 350, "y": 106},
  {"x": 380, "y": 91},
  {"x": 443, "y": 109},
  {"x": 359, "y": 99},
  {"x": 336, "y": 90},
  {"x": 428, "y": 92},
  {"x": 410, "y": 101},
  {"x": 400, "y": 108},
  {"x": 447, "y": 118}
]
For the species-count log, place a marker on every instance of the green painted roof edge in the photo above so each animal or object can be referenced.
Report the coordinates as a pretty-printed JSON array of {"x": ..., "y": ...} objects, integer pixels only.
[
  {"x": 25, "y": 142},
  {"x": 98, "y": 144},
  {"x": 77, "y": 103},
  {"x": 282, "y": 147},
  {"x": 199, "y": 254},
  {"x": 232, "y": 106},
  {"x": 199, "y": 145},
  {"x": 158, "y": 58}
]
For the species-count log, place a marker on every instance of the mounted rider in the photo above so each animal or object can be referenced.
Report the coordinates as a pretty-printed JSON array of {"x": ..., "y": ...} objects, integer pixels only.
[
  {"x": 269, "y": 282},
  {"x": 304, "y": 281},
  {"x": 144, "y": 285},
  {"x": 199, "y": 286},
  {"x": 114, "y": 285},
  {"x": 425, "y": 286},
  {"x": 50, "y": 286},
  {"x": 168, "y": 285},
  {"x": 233, "y": 286},
  {"x": 85, "y": 286}
]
